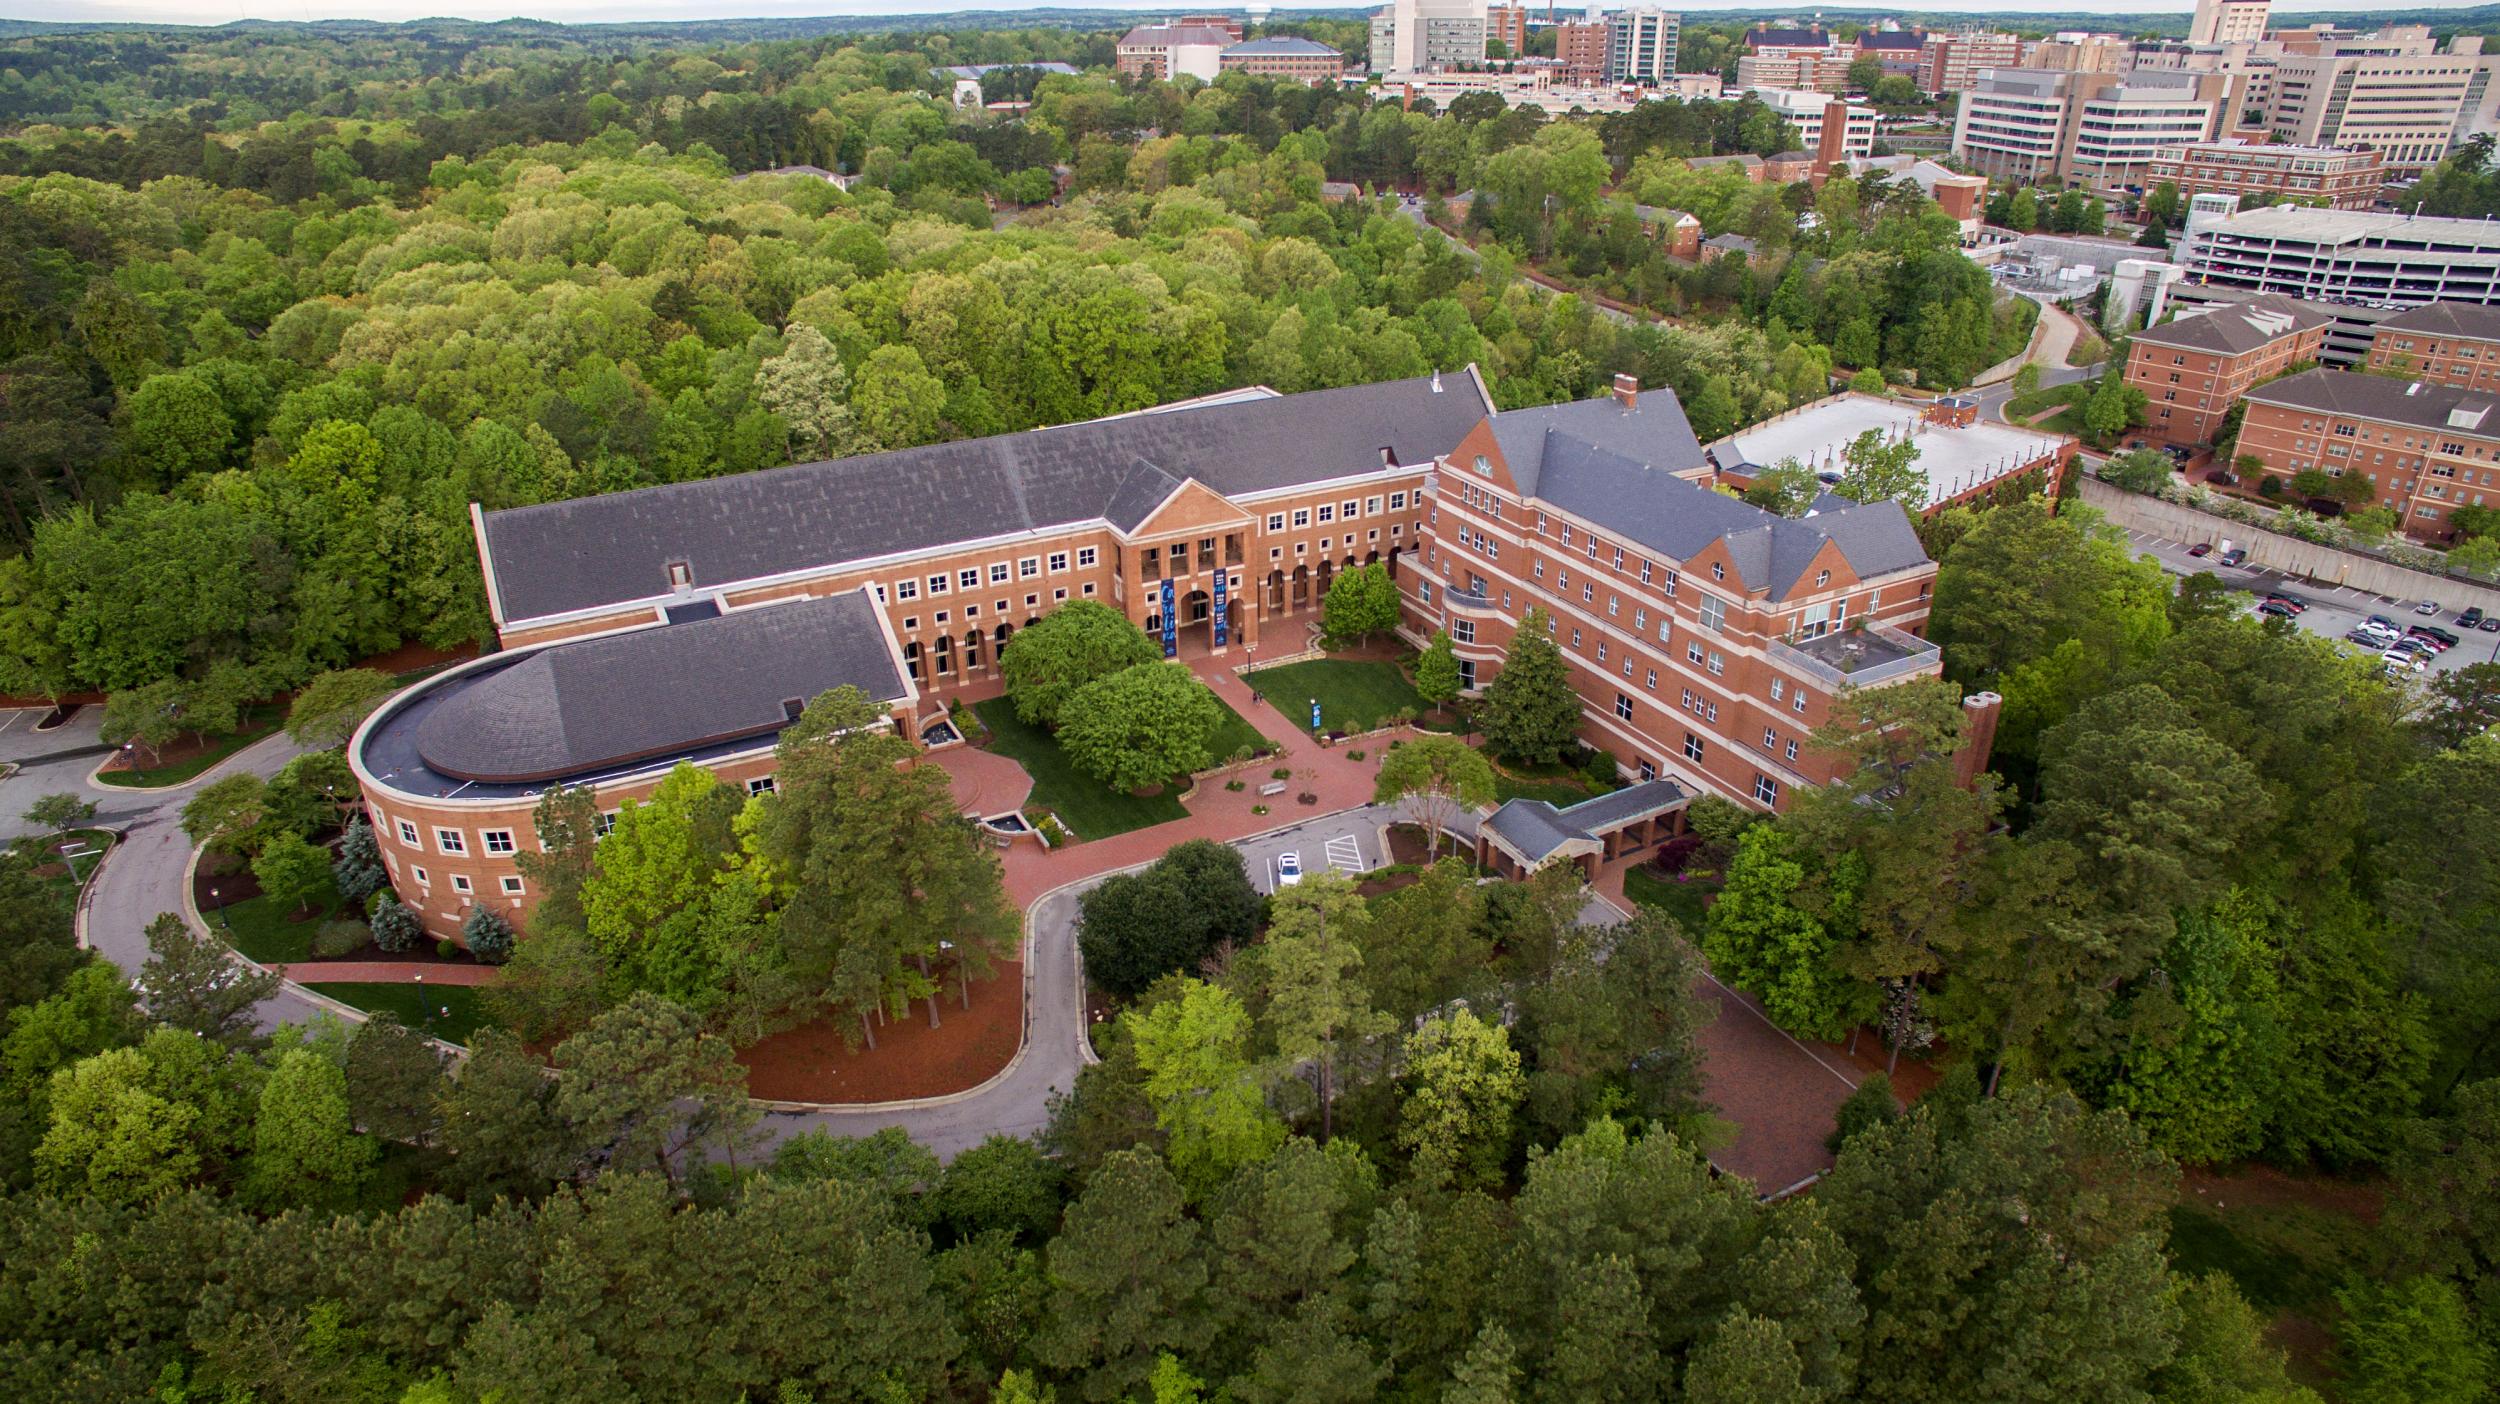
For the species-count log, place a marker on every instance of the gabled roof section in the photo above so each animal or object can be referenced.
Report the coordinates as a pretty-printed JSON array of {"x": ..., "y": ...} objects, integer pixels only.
[
  {"x": 1534, "y": 830},
  {"x": 2470, "y": 320},
  {"x": 1146, "y": 488},
  {"x": 2377, "y": 397},
  {"x": 2239, "y": 328},
  {"x": 1618, "y": 470},
  {"x": 597, "y": 552}
]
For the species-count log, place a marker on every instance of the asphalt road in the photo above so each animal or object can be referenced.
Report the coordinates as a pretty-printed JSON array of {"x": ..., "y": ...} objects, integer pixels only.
[{"x": 2333, "y": 610}]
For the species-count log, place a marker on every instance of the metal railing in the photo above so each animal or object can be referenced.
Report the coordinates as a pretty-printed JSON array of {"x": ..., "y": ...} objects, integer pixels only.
[{"x": 1915, "y": 657}]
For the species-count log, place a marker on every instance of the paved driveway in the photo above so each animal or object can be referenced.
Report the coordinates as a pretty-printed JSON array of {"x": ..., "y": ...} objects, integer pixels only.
[{"x": 2333, "y": 610}]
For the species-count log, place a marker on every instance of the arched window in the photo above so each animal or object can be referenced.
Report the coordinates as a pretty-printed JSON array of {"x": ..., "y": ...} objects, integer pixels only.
[
  {"x": 911, "y": 660},
  {"x": 945, "y": 655},
  {"x": 972, "y": 650}
]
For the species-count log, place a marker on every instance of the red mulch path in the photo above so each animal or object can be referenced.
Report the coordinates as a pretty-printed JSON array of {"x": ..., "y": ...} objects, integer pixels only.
[
  {"x": 970, "y": 1046},
  {"x": 413, "y": 655}
]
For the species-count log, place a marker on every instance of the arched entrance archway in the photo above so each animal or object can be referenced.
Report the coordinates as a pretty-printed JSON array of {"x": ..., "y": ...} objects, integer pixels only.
[
  {"x": 1276, "y": 589},
  {"x": 1301, "y": 586},
  {"x": 1372, "y": 559},
  {"x": 1394, "y": 553},
  {"x": 972, "y": 650},
  {"x": 911, "y": 659},
  {"x": 1327, "y": 572},
  {"x": 944, "y": 656}
]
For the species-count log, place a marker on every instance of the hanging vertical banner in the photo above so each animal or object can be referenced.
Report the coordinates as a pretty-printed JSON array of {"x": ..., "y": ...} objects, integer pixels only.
[
  {"x": 1171, "y": 627},
  {"x": 1220, "y": 631}
]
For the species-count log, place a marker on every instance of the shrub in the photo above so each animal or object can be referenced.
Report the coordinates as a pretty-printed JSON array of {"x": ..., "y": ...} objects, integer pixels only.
[
  {"x": 1282, "y": 772},
  {"x": 1868, "y": 1107},
  {"x": 447, "y": 948},
  {"x": 396, "y": 929},
  {"x": 489, "y": 936},
  {"x": 1234, "y": 785},
  {"x": 1677, "y": 853},
  {"x": 1599, "y": 768},
  {"x": 338, "y": 938},
  {"x": 2269, "y": 486}
]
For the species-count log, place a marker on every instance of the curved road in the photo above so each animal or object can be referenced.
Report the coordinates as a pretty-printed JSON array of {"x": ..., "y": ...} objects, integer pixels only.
[{"x": 143, "y": 878}]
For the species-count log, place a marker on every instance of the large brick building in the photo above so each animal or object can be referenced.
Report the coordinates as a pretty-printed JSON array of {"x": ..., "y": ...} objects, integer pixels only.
[
  {"x": 2427, "y": 449},
  {"x": 2192, "y": 370},
  {"x": 2261, "y": 173},
  {"x": 692, "y": 621},
  {"x": 2446, "y": 343}
]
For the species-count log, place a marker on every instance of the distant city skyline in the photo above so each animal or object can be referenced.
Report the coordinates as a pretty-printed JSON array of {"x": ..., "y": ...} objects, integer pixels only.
[{"x": 214, "y": 12}]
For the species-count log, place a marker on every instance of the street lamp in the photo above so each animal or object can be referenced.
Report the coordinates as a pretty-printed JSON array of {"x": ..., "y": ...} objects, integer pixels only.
[{"x": 222, "y": 919}]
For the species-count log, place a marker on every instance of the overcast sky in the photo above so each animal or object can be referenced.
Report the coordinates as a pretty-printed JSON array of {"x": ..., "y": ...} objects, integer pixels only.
[{"x": 594, "y": 11}]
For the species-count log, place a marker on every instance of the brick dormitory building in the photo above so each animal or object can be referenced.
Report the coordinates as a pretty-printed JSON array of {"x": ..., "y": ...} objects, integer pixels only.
[{"x": 691, "y": 622}]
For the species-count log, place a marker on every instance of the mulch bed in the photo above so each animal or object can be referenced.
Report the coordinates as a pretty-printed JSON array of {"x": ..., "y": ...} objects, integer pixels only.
[
  {"x": 187, "y": 747},
  {"x": 810, "y": 1063},
  {"x": 412, "y": 655},
  {"x": 1406, "y": 845}
]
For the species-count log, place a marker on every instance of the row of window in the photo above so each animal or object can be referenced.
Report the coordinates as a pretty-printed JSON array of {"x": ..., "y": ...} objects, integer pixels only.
[
  {"x": 970, "y": 578},
  {"x": 1333, "y": 511}
]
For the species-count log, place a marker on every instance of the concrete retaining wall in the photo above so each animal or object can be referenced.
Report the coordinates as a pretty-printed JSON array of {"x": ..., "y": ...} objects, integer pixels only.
[{"x": 2326, "y": 565}]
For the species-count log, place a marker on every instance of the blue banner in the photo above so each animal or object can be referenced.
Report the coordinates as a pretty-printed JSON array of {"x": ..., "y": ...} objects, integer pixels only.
[
  {"x": 1220, "y": 577},
  {"x": 1171, "y": 624}
]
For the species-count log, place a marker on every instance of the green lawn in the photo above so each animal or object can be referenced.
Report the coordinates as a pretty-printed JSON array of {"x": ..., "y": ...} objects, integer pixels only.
[
  {"x": 258, "y": 721},
  {"x": 1235, "y": 733},
  {"x": 1354, "y": 693},
  {"x": 2048, "y": 397},
  {"x": 265, "y": 931},
  {"x": 1687, "y": 902},
  {"x": 1091, "y": 808},
  {"x": 416, "y": 1005}
]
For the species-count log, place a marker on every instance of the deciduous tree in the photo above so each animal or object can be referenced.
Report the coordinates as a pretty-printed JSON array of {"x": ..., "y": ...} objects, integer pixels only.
[
  {"x": 1081, "y": 641},
  {"x": 1436, "y": 778},
  {"x": 1141, "y": 726},
  {"x": 1361, "y": 602}
]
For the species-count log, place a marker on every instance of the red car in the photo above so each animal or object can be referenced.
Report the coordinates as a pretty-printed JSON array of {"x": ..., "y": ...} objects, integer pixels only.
[{"x": 2201, "y": 549}]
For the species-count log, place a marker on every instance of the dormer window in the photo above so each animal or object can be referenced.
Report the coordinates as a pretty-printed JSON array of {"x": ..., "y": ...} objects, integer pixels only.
[
  {"x": 680, "y": 575},
  {"x": 791, "y": 707}
]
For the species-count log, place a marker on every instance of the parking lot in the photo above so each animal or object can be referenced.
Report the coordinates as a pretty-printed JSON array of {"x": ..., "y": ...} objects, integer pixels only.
[
  {"x": 1348, "y": 843},
  {"x": 2333, "y": 611}
]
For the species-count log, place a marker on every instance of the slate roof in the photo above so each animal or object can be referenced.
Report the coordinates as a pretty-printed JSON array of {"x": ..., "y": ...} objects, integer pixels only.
[
  {"x": 1617, "y": 468},
  {"x": 2471, "y": 320},
  {"x": 1167, "y": 34},
  {"x": 1909, "y": 40},
  {"x": 1536, "y": 829},
  {"x": 1733, "y": 243},
  {"x": 2240, "y": 328},
  {"x": 1787, "y": 39},
  {"x": 598, "y": 551},
  {"x": 2382, "y": 398},
  {"x": 577, "y": 708}
]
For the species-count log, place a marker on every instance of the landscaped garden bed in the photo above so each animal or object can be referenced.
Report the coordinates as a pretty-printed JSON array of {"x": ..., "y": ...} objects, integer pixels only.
[{"x": 186, "y": 757}]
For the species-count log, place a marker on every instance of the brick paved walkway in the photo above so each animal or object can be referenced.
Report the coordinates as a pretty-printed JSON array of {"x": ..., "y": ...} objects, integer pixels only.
[
  {"x": 378, "y": 972},
  {"x": 1782, "y": 1095}
]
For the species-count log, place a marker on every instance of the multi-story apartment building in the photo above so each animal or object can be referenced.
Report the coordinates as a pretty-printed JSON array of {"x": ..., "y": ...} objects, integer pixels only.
[
  {"x": 691, "y": 622},
  {"x": 2262, "y": 173},
  {"x": 1640, "y": 46},
  {"x": 1304, "y": 61},
  {"x": 2193, "y": 369},
  {"x": 1828, "y": 129},
  {"x": 2427, "y": 449},
  {"x": 1420, "y": 36},
  {"x": 1770, "y": 42},
  {"x": 1823, "y": 71},
  {"x": 2355, "y": 256},
  {"x": 1582, "y": 48},
  {"x": 2388, "y": 92},
  {"x": 2044, "y": 126},
  {"x": 2228, "y": 21},
  {"x": 1950, "y": 63},
  {"x": 2447, "y": 343},
  {"x": 1509, "y": 25},
  {"x": 1174, "y": 50}
]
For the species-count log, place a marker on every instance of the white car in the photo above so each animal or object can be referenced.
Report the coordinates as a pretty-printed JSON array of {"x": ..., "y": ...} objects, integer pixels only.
[
  {"x": 1288, "y": 869},
  {"x": 2398, "y": 660}
]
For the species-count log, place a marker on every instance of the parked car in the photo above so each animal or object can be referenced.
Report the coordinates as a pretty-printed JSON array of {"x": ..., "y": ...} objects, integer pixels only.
[
  {"x": 2373, "y": 634},
  {"x": 2471, "y": 619},
  {"x": 2276, "y": 609},
  {"x": 2385, "y": 623},
  {"x": 2416, "y": 648},
  {"x": 2295, "y": 602},
  {"x": 2237, "y": 555},
  {"x": 2404, "y": 662},
  {"x": 2490, "y": 624},
  {"x": 2436, "y": 637},
  {"x": 2201, "y": 549},
  {"x": 2427, "y": 607},
  {"x": 1288, "y": 869}
]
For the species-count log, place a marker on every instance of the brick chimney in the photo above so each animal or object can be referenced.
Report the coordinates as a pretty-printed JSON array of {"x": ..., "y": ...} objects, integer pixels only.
[
  {"x": 1980, "y": 711},
  {"x": 1628, "y": 392}
]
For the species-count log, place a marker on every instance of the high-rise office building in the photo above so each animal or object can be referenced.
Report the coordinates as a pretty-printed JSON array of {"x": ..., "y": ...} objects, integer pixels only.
[
  {"x": 2047, "y": 126},
  {"x": 1415, "y": 36},
  {"x": 1640, "y": 46},
  {"x": 2228, "y": 21}
]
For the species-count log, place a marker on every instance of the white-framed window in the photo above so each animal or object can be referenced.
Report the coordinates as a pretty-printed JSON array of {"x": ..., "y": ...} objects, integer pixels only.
[
  {"x": 1718, "y": 664},
  {"x": 1692, "y": 746},
  {"x": 604, "y": 825},
  {"x": 1692, "y": 650},
  {"x": 1822, "y": 578},
  {"x": 511, "y": 885},
  {"x": 1770, "y": 738},
  {"x": 1275, "y": 521},
  {"x": 1461, "y": 630},
  {"x": 1791, "y": 751},
  {"x": 1718, "y": 570},
  {"x": 460, "y": 883},
  {"x": 1649, "y": 679},
  {"x": 1371, "y": 506},
  {"x": 760, "y": 785},
  {"x": 937, "y": 584},
  {"x": 1801, "y": 701},
  {"x": 1601, "y": 650},
  {"x": 496, "y": 840},
  {"x": 1301, "y": 516},
  {"x": 1537, "y": 569},
  {"x": 408, "y": 835},
  {"x": 998, "y": 572},
  {"x": 968, "y": 579},
  {"x": 1640, "y": 620},
  {"x": 422, "y": 879},
  {"x": 1672, "y": 577},
  {"x": 910, "y": 622},
  {"x": 1397, "y": 502},
  {"x": 1085, "y": 557},
  {"x": 1645, "y": 572},
  {"x": 1614, "y": 605},
  {"x": 1060, "y": 595},
  {"x": 451, "y": 841},
  {"x": 1327, "y": 512},
  {"x": 1575, "y": 641},
  {"x": 1623, "y": 706},
  {"x": 1648, "y": 772},
  {"x": 1423, "y": 593},
  {"x": 942, "y": 617},
  {"x": 1779, "y": 690},
  {"x": 1765, "y": 788},
  {"x": 907, "y": 589},
  {"x": 1348, "y": 510},
  {"x": 1714, "y": 614},
  {"x": 1089, "y": 589},
  {"x": 1588, "y": 593},
  {"x": 1028, "y": 566}
]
